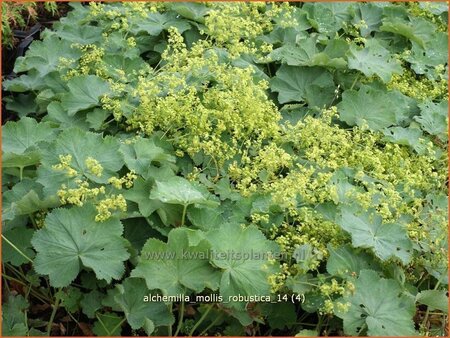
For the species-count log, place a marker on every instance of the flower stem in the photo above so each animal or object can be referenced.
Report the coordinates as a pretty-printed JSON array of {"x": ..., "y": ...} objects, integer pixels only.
[{"x": 180, "y": 318}]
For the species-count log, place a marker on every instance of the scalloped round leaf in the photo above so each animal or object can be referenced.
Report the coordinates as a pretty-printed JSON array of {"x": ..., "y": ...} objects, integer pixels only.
[
  {"x": 379, "y": 304},
  {"x": 243, "y": 255},
  {"x": 129, "y": 296},
  {"x": 139, "y": 155},
  {"x": 72, "y": 239},
  {"x": 80, "y": 145},
  {"x": 20, "y": 136},
  {"x": 373, "y": 59},
  {"x": 313, "y": 85},
  {"x": 176, "y": 266},
  {"x": 178, "y": 190},
  {"x": 84, "y": 92},
  {"x": 368, "y": 231},
  {"x": 378, "y": 108}
]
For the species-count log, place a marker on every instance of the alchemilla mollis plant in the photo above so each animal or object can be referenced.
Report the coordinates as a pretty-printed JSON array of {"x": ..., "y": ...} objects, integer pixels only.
[{"x": 179, "y": 169}]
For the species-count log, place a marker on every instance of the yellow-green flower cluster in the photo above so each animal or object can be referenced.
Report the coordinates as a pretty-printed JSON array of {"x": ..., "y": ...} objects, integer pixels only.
[
  {"x": 330, "y": 147},
  {"x": 423, "y": 10},
  {"x": 259, "y": 218},
  {"x": 331, "y": 291},
  {"x": 308, "y": 227},
  {"x": 302, "y": 181},
  {"x": 113, "y": 105},
  {"x": 204, "y": 105},
  {"x": 128, "y": 10},
  {"x": 39, "y": 218},
  {"x": 64, "y": 165},
  {"x": 277, "y": 280},
  {"x": 354, "y": 32},
  {"x": 93, "y": 166},
  {"x": 236, "y": 25},
  {"x": 78, "y": 196},
  {"x": 90, "y": 62},
  {"x": 419, "y": 87},
  {"x": 127, "y": 180},
  {"x": 270, "y": 160},
  {"x": 108, "y": 205}
]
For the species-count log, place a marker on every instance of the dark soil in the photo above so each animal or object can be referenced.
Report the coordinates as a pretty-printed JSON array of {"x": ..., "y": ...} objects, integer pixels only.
[{"x": 24, "y": 36}]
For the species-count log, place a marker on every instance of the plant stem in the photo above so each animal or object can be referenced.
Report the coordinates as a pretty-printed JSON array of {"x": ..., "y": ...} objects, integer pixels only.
[
  {"x": 117, "y": 326},
  {"x": 55, "y": 309},
  {"x": 212, "y": 324},
  {"x": 354, "y": 82},
  {"x": 180, "y": 318},
  {"x": 427, "y": 313},
  {"x": 202, "y": 318},
  {"x": 184, "y": 214},
  {"x": 170, "y": 326},
  {"x": 17, "y": 249},
  {"x": 362, "y": 328}
]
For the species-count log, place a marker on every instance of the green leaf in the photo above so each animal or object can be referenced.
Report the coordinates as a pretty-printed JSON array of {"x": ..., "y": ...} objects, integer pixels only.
[
  {"x": 346, "y": 261},
  {"x": 371, "y": 14},
  {"x": 21, "y": 238},
  {"x": 300, "y": 283},
  {"x": 137, "y": 232},
  {"x": 313, "y": 302},
  {"x": 368, "y": 231},
  {"x": 96, "y": 118},
  {"x": 437, "y": 8},
  {"x": 419, "y": 30},
  {"x": 141, "y": 154},
  {"x": 157, "y": 22},
  {"x": 85, "y": 34},
  {"x": 140, "y": 194},
  {"x": 306, "y": 53},
  {"x": 424, "y": 59},
  {"x": 72, "y": 239},
  {"x": 27, "y": 133},
  {"x": 328, "y": 18},
  {"x": 44, "y": 55},
  {"x": 84, "y": 92},
  {"x": 312, "y": 85},
  {"x": 179, "y": 191},
  {"x": 373, "y": 59},
  {"x": 190, "y": 10},
  {"x": 13, "y": 315},
  {"x": 304, "y": 256},
  {"x": 80, "y": 145},
  {"x": 26, "y": 198},
  {"x": 29, "y": 158},
  {"x": 434, "y": 299},
  {"x": 279, "y": 315},
  {"x": 243, "y": 255},
  {"x": 378, "y": 108},
  {"x": 24, "y": 83},
  {"x": 407, "y": 136},
  {"x": 307, "y": 333},
  {"x": 175, "y": 266},
  {"x": 56, "y": 113},
  {"x": 205, "y": 218},
  {"x": 129, "y": 296},
  {"x": 378, "y": 304},
  {"x": 91, "y": 303},
  {"x": 23, "y": 104},
  {"x": 108, "y": 324},
  {"x": 70, "y": 298},
  {"x": 433, "y": 118}
]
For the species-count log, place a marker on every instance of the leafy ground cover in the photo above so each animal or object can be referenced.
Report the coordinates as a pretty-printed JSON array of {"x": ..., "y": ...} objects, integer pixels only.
[{"x": 229, "y": 169}]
